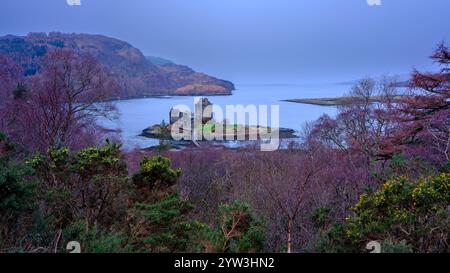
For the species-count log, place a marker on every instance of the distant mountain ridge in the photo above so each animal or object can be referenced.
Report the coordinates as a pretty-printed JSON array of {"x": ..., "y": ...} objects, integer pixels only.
[{"x": 138, "y": 75}]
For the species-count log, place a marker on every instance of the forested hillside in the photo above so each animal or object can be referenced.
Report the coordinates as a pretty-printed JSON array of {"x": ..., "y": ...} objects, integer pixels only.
[{"x": 137, "y": 75}]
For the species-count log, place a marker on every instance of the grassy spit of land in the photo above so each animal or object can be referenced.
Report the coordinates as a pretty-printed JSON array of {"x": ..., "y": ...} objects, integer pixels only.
[{"x": 337, "y": 100}]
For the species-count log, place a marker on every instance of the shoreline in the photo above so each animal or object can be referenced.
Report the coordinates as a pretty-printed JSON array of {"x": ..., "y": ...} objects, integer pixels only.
[
  {"x": 168, "y": 96},
  {"x": 336, "y": 101}
]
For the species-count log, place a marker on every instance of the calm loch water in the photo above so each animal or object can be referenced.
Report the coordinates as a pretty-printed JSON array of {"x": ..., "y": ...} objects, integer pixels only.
[{"x": 138, "y": 114}]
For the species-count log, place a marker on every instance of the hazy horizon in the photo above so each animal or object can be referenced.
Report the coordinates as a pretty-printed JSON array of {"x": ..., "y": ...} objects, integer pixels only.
[{"x": 256, "y": 41}]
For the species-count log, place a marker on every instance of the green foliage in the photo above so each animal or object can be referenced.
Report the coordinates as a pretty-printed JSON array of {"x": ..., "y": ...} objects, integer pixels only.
[
  {"x": 446, "y": 167},
  {"x": 93, "y": 240},
  {"x": 331, "y": 234},
  {"x": 403, "y": 216},
  {"x": 398, "y": 162},
  {"x": 390, "y": 247},
  {"x": 17, "y": 195},
  {"x": 84, "y": 196},
  {"x": 334, "y": 240},
  {"x": 321, "y": 217},
  {"x": 163, "y": 213},
  {"x": 238, "y": 229},
  {"x": 90, "y": 184},
  {"x": 401, "y": 165},
  {"x": 16, "y": 191},
  {"x": 165, "y": 226},
  {"x": 97, "y": 160},
  {"x": 414, "y": 213},
  {"x": 91, "y": 162},
  {"x": 161, "y": 220},
  {"x": 155, "y": 173},
  {"x": 53, "y": 165},
  {"x": 108, "y": 243}
]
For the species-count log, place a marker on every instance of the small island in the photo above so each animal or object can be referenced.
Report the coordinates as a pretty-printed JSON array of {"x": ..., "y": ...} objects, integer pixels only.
[{"x": 227, "y": 132}]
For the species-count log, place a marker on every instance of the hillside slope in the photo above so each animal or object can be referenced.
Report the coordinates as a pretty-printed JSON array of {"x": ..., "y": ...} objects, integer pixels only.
[{"x": 137, "y": 74}]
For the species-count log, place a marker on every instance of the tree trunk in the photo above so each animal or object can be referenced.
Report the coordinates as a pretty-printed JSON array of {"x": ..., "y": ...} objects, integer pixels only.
[{"x": 289, "y": 239}]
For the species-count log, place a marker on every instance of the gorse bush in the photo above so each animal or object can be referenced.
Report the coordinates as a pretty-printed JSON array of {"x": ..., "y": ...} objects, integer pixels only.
[
  {"x": 155, "y": 177},
  {"x": 403, "y": 216},
  {"x": 90, "y": 184}
]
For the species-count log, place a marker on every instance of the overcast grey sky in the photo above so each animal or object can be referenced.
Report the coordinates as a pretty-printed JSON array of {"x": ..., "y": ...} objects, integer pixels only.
[{"x": 256, "y": 41}]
